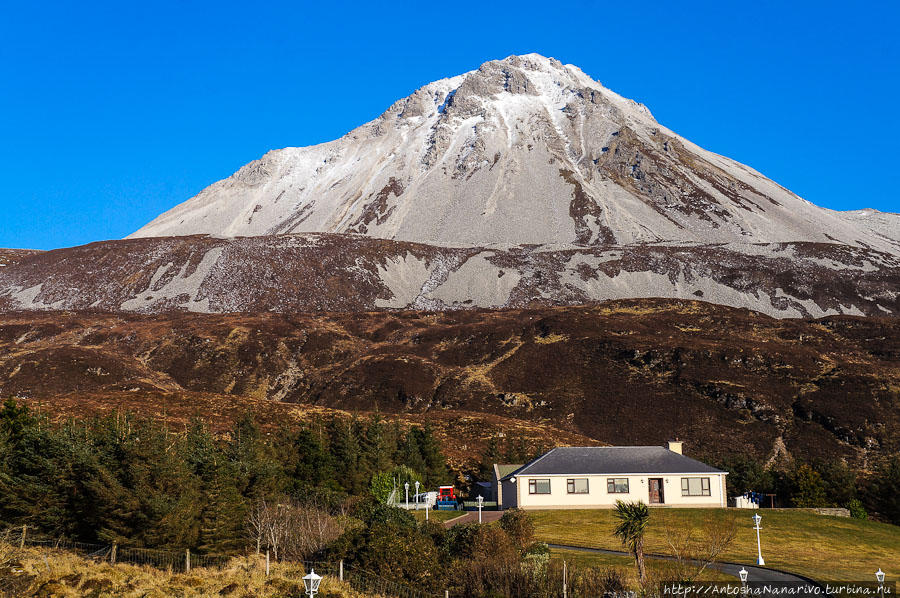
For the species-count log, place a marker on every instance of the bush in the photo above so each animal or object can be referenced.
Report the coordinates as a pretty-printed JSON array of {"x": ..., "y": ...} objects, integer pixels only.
[
  {"x": 384, "y": 483},
  {"x": 591, "y": 581},
  {"x": 882, "y": 493},
  {"x": 372, "y": 512},
  {"x": 857, "y": 510},
  {"x": 518, "y": 525},
  {"x": 808, "y": 490}
]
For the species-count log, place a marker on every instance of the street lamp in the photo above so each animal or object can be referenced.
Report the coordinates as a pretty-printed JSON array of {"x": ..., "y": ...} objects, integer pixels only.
[
  {"x": 743, "y": 573},
  {"x": 406, "y": 487},
  {"x": 879, "y": 575},
  {"x": 417, "y": 495},
  {"x": 311, "y": 583},
  {"x": 759, "y": 559},
  {"x": 480, "y": 503}
]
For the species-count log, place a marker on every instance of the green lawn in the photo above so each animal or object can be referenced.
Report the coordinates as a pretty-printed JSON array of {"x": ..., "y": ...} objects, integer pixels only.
[
  {"x": 626, "y": 565},
  {"x": 440, "y": 516},
  {"x": 823, "y": 548}
]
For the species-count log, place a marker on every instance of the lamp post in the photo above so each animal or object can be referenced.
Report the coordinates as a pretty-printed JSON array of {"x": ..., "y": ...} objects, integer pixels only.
[
  {"x": 480, "y": 503},
  {"x": 406, "y": 487},
  {"x": 311, "y": 583},
  {"x": 743, "y": 573},
  {"x": 759, "y": 559},
  {"x": 417, "y": 496},
  {"x": 879, "y": 575}
]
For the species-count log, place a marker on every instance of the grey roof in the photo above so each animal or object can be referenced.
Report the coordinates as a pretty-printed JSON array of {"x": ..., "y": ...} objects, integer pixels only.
[{"x": 584, "y": 460}]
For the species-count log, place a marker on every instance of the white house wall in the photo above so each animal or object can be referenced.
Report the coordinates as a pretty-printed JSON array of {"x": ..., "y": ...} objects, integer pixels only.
[{"x": 598, "y": 498}]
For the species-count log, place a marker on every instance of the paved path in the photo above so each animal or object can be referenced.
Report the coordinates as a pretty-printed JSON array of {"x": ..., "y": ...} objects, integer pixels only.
[
  {"x": 472, "y": 517},
  {"x": 755, "y": 573}
]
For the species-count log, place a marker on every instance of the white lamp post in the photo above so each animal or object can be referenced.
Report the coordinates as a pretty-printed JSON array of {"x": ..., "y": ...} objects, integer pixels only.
[
  {"x": 426, "y": 508},
  {"x": 406, "y": 487},
  {"x": 879, "y": 575},
  {"x": 311, "y": 583},
  {"x": 759, "y": 559},
  {"x": 417, "y": 496},
  {"x": 743, "y": 573},
  {"x": 480, "y": 503}
]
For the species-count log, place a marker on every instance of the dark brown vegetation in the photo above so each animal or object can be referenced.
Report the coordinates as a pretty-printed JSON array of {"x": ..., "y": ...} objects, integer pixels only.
[{"x": 727, "y": 381}]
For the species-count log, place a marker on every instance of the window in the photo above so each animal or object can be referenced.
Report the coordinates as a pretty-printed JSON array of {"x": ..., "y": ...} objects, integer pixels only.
[
  {"x": 694, "y": 486},
  {"x": 577, "y": 486},
  {"x": 539, "y": 486},
  {"x": 617, "y": 485}
]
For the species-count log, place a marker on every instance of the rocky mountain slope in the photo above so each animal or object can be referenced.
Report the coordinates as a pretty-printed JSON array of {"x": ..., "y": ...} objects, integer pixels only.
[
  {"x": 331, "y": 272},
  {"x": 629, "y": 372},
  {"x": 524, "y": 150},
  {"x": 522, "y": 183}
]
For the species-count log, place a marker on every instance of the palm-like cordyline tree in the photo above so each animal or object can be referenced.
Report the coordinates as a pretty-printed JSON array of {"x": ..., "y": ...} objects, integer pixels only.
[{"x": 633, "y": 519}]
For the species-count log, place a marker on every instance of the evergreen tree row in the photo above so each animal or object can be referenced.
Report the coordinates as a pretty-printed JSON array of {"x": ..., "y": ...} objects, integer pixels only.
[{"x": 141, "y": 482}]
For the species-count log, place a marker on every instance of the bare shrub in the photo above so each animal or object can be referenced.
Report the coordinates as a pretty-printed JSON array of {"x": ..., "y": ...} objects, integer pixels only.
[
  {"x": 292, "y": 529},
  {"x": 696, "y": 550}
]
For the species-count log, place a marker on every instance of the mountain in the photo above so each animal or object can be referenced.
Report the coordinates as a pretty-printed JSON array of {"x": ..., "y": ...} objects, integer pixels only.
[
  {"x": 355, "y": 273},
  {"x": 627, "y": 372},
  {"x": 524, "y": 150},
  {"x": 522, "y": 183}
]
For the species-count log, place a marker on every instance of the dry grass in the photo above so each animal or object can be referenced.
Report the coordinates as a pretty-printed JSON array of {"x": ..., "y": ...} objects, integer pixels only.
[
  {"x": 821, "y": 547},
  {"x": 37, "y": 572},
  {"x": 550, "y": 339}
]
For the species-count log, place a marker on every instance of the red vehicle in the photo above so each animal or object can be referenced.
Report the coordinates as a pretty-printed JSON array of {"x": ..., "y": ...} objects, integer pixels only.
[{"x": 446, "y": 498}]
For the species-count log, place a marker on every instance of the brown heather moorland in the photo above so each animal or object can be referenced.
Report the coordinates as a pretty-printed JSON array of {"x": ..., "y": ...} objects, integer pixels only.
[{"x": 724, "y": 380}]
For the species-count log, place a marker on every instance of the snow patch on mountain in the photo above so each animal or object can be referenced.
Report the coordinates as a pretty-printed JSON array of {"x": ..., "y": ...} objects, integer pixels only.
[{"x": 521, "y": 150}]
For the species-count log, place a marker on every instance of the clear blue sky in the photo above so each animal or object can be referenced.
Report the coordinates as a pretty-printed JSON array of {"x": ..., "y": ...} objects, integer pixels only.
[{"x": 111, "y": 113}]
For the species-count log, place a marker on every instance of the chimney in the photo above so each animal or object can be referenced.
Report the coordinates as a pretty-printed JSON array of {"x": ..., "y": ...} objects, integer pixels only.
[{"x": 675, "y": 446}]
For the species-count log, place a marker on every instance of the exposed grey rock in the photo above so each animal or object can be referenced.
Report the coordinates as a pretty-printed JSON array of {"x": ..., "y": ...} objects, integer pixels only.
[{"x": 521, "y": 150}]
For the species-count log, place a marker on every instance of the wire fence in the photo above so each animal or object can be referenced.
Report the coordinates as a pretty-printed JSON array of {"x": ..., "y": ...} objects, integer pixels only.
[
  {"x": 369, "y": 583},
  {"x": 183, "y": 561}
]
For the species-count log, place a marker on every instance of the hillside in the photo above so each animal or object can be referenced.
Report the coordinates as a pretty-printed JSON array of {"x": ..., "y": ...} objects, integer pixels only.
[
  {"x": 355, "y": 273},
  {"x": 630, "y": 372}
]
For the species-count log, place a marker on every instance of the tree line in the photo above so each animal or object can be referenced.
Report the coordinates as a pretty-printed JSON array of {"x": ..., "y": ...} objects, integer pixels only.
[
  {"x": 819, "y": 483},
  {"x": 138, "y": 481}
]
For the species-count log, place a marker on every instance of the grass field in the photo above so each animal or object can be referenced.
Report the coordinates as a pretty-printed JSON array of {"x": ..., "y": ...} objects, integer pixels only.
[
  {"x": 821, "y": 547},
  {"x": 626, "y": 565},
  {"x": 439, "y": 516}
]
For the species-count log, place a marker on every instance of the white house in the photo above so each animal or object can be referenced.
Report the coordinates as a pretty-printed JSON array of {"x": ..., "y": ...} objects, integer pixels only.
[{"x": 595, "y": 477}]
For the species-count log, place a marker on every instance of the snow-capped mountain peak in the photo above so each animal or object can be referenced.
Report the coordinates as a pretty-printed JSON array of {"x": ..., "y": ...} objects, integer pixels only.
[{"x": 524, "y": 150}]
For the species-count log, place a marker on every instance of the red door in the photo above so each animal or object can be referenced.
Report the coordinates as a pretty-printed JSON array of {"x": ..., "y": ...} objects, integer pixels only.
[{"x": 656, "y": 491}]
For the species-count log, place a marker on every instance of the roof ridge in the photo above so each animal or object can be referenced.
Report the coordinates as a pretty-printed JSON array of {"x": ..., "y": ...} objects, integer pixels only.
[
  {"x": 533, "y": 462},
  {"x": 600, "y": 460}
]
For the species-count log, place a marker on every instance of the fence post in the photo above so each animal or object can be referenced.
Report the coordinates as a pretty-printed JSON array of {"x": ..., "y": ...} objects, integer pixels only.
[
  {"x": 267, "y": 563},
  {"x": 341, "y": 570},
  {"x": 112, "y": 554},
  {"x": 22, "y": 541},
  {"x": 446, "y": 593},
  {"x": 565, "y": 571},
  {"x": 187, "y": 560}
]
